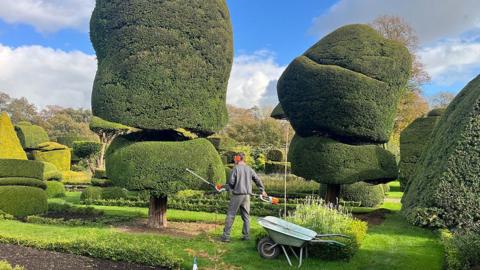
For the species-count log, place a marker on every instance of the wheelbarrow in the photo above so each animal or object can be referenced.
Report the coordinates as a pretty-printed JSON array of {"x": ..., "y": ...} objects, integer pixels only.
[{"x": 282, "y": 234}]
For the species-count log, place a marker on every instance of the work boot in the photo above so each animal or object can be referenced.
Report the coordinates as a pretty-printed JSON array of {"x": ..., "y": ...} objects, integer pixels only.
[
  {"x": 225, "y": 239},
  {"x": 246, "y": 238}
]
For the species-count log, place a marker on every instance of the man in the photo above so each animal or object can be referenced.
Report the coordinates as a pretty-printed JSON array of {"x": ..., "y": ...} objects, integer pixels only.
[{"x": 240, "y": 185}]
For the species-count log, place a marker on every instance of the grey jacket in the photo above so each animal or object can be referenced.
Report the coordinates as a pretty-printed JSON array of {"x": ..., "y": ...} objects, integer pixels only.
[{"x": 240, "y": 180}]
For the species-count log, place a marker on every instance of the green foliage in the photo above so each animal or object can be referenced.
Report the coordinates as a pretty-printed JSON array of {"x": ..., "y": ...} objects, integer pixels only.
[
  {"x": 366, "y": 195},
  {"x": 413, "y": 141},
  {"x": 98, "y": 125},
  {"x": 355, "y": 76},
  {"x": 260, "y": 161},
  {"x": 85, "y": 149},
  {"x": 100, "y": 174},
  {"x": 76, "y": 178},
  {"x": 462, "y": 250},
  {"x": 332, "y": 162},
  {"x": 55, "y": 189},
  {"x": 316, "y": 216},
  {"x": 189, "y": 194},
  {"x": 50, "y": 146},
  {"x": 60, "y": 158},
  {"x": 4, "y": 265},
  {"x": 69, "y": 140},
  {"x": 274, "y": 167},
  {"x": 447, "y": 177},
  {"x": 22, "y": 181},
  {"x": 275, "y": 155},
  {"x": 247, "y": 150},
  {"x": 10, "y": 147},
  {"x": 22, "y": 201},
  {"x": 160, "y": 166},
  {"x": 27, "y": 168},
  {"x": 158, "y": 70},
  {"x": 101, "y": 182},
  {"x": 437, "y": 112},
  {"x": 296, "y": 186},
  {"x": 92, "y": 193},
  {"x": 114, "y": 193},
  {"x": 222, "y": 143},
  {"x": 30, "y": 135}
]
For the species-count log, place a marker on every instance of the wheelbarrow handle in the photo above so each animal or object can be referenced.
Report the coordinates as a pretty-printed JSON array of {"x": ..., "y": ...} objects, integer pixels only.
[
  {"x": 328, "y": 242},
  {"x": 331, "y": 235}
]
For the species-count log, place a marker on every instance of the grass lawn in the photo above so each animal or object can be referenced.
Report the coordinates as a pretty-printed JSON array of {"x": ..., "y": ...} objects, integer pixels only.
[{"x": 392, "y": 245}]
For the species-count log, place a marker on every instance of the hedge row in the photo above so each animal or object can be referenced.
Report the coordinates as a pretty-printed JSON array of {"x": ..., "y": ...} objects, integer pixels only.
[
  {"x": 274, "y": 167},
  {"x": 28, "y": 168},
  {"x": 23, "y": 181},
  {"x": 366, "y": 195},
  {"x": 76, "y": 178}
]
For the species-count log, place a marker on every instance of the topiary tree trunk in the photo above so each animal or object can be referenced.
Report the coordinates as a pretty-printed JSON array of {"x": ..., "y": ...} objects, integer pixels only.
[
  {"x": 333, "y": 193},
  {"x": 157, "y": 212}
]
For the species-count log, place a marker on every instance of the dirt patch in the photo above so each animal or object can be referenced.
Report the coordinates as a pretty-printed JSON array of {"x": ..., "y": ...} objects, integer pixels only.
[
  {"x": 476, "y": 267},
  {"x": 376, "y": 217},
  {"x": 34, "y": 259},
  {"x": 177, "y": 229}
]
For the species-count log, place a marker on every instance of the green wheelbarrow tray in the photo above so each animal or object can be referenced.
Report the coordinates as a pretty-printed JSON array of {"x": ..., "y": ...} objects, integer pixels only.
[{"x": 286, "y": 234}]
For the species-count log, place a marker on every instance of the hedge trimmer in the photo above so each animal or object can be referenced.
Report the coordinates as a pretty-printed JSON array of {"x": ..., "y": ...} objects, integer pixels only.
[{"x": 220, "y": 188}]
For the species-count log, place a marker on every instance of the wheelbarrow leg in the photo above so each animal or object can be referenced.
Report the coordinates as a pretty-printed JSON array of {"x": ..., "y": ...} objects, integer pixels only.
[
  {"x": 301, "y": 256},
  {"x": 293, "y": 251},
  {"x": 286, "y": 255}
]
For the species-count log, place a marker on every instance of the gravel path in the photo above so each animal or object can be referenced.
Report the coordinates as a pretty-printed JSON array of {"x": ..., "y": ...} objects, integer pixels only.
[{"x": 34, "y": 259}]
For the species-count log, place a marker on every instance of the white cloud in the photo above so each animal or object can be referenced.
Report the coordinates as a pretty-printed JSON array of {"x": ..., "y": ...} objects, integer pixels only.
[
  {"x": 46, "y": 76},
  {"x": 252, "y": 80},
  {"x": 48, "y": 15},
  {"x": 432, "y": 19},
  {"x": 451, "y": 62}
]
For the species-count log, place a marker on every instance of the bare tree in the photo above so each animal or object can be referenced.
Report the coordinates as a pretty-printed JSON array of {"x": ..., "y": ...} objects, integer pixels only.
[{"x": 441, "y": 99}]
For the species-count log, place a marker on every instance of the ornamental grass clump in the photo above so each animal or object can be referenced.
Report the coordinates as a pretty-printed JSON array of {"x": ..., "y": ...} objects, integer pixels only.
[{"x": 320, "y": 217}]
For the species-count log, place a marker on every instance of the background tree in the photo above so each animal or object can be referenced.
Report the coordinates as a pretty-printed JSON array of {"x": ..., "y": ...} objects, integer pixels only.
[{"x": 441, "y": 100}]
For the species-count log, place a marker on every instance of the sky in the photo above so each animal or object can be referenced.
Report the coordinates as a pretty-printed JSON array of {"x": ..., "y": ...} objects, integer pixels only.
[{"x": 46, "y": 54}]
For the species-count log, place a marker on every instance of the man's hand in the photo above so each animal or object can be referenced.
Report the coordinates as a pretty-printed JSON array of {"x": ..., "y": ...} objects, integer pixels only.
[{"x": 264, "y": 194}]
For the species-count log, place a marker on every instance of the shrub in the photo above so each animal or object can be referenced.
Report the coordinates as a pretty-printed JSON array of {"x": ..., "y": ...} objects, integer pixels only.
[
  {"x": 22, "y": 181},
  {"x": 114, "y": 193},
  {"x": 160, "y": 166},
  {"x": 437, "y": 112},
  {"x": 315, "y": 215},
  {"x": 273, "y": 167},
  {"x": 189, "y": 194},
  {"x": 60, "y": 158},
  {"x": 462, "y": 250},
  {"x": 192, "y": 73},
  {"x": 413, "y": 141},
  {"x": 69, "y": 140},
  {"x": 247, "y": 150},
  {"x": 55, "y": 189},
  {"x": 22, "y": 201},
  {"x": 296, "y": 186},
  {"x": 76, "y": 178},
  {"x": 347, "y": 86},
  {"x": 332, "y": 162},
  {"x": 72, "y": 210},
  {"x": 10, "y": 147},
  {"x": 25, "y": 168},
  {"x": 51, "y": 172},
  {"x": 101, "y": 182},
  {"x": 448, "y": 176},
  {"x": 92, "y": 193},
  {"x": 86, "y": 149},
  {"x": 4, "y": 265},
  {"x": 100, "y": 174},
  {"x": 30, "y": 135},
  {"x": 366, "y": 195},
  {"x": 222, "y": 143},
  {"x": 275, "y": 155},
  {"x": 50, "y": 146}
]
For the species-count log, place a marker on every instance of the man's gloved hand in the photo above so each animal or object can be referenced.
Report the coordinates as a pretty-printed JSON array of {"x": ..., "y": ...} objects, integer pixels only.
[{"x": 219, "y": 188}]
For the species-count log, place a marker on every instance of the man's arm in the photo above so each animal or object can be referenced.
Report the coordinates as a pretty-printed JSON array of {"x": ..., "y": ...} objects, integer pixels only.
[
  {"x": 232, "y": 179},
  {"x": 258, "y": 181}
]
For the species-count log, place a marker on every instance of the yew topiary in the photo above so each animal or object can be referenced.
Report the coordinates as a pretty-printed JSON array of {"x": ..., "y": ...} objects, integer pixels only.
[
  {"x": 30, "y": 135},
  {"x": 10, "y": 147}
]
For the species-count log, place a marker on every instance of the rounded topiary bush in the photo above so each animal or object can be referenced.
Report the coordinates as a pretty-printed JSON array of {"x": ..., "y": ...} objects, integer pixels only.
[
  {"x": 100, "y": 174},
  {"x": 22, "y": 201},
  {"x": 30, "y": 135},
  {"x": 114, "y": 193},
  {"x": 366, "y": 194},
  {"x": 160, "y": 166},
  {"x": 347, "y": 85},
  {"x": 92, "y": 193},
  {"x": 332, "y": 162},
  {"x": 55, "y": 189},
  {"x": 275, "y": 155},
  {"x": 162, "y": 64}
]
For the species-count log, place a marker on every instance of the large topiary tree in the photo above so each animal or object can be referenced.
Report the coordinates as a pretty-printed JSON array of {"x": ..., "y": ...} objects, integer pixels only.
[
  {"x": 162, "y": 64},
  {"x": 163, "y": 67},
  {"x": 341, "y": 97},
  {"x": 445, "y": 188}
]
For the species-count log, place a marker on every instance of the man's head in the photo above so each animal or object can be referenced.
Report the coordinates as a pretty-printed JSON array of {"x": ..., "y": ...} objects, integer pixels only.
[{"x": 239, "y": 158}]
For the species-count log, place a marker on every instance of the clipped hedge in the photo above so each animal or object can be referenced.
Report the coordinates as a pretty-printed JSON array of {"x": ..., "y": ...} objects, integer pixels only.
[
  {"x": 273, "y": 167},
  {"x": 10, "y": 146},
  {"x": 278, "y": 113},
  {"x": 332, "y": 162},
  {"x": 447, "y": 177},
  {"x": 50, "y": 146},
  {"x": 347, "y": 85},
  {"x": 30, "y": 135},
  {"x": 275, "y": 155},
  {"x": 114, "y": 193},
  {"x": 91, "y": 193},
  {"x": 100, "y": 174},
  {"x": 158, "y": 70},
  {"x": 27, "y": 168},
  {"x": 101, "y": 182},
  {"x": 413, "y": 141},
  {"x": 222, "y": 143},
  {"x": 22, "y": 181},
  {"x": 86, "y": 149},
  {"x": 99, "y": 125},
  {"x": 55, "y": 189},
  {"x": 366, "y": 195},
  {"x": 22, "y": 201},
  {"x": 69, "y": 140},
  {"x": 76, "y": 178},
  {"x": 161, "y": 166},
  {"x": 60, "y": 158}
]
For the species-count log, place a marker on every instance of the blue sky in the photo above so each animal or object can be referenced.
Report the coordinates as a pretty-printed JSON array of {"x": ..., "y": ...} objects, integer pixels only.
[{"x": 46, "y": 55}]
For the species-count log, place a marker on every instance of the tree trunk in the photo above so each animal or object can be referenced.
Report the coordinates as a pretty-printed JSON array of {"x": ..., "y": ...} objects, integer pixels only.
[
  {"x": 333, "y": 192},
  {"x": 157, "y": 212}
]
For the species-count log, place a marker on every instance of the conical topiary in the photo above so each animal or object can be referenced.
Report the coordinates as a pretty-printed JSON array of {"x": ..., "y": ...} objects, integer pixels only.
[{"x": 10, "y": 146}]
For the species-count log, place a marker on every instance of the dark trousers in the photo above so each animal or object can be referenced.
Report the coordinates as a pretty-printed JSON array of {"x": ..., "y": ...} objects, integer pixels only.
[{"x": 241, "y": 202}]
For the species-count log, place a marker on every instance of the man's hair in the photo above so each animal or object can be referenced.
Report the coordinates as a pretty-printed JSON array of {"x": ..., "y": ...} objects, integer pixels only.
[{"x": 241, "y": 155}]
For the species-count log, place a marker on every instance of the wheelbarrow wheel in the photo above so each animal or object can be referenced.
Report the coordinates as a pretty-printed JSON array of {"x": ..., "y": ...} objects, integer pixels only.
[{"x": 268, "y": 249}]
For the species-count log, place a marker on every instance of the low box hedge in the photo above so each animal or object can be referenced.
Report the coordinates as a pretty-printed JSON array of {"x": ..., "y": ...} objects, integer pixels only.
[
  {"x": 27, "y": 168},
  {"x": 55, "y": 189},
  {"x": 22, "y": 201},
  {"x": 76, "y": 178}
]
